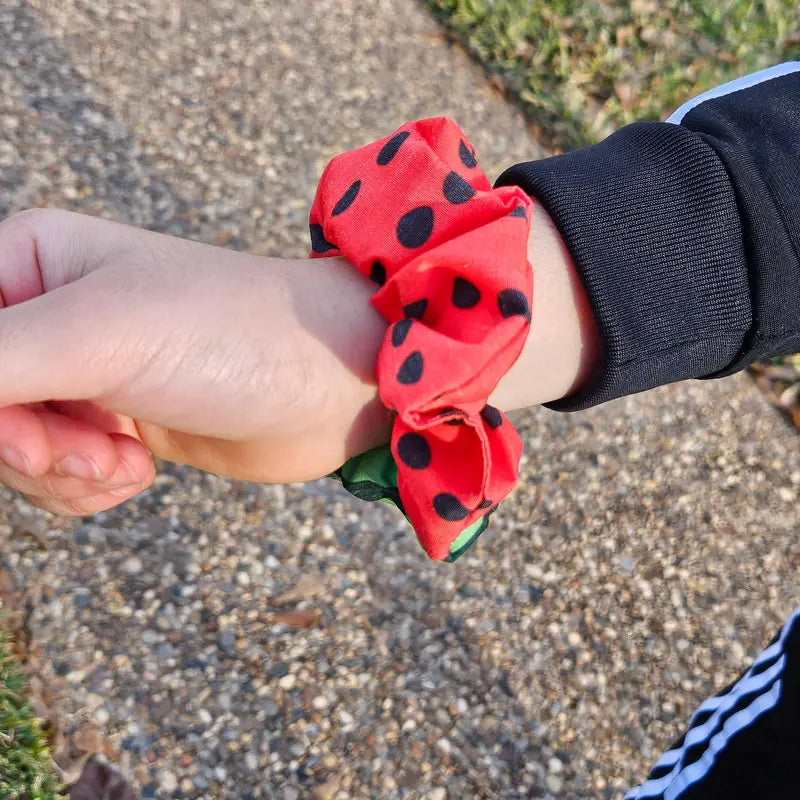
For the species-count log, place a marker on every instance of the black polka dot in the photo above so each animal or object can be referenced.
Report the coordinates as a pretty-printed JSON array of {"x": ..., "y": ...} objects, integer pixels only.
[
  {"x": 415, "y": 227},
  {"x": 414, "y": 450},
  {"x": 416, "y": 309},
  {"x": 456, "y": 189},
  {"x": 400, "y": 331},
  {"x": 346, "y": 199},
  {"x": 485, "y": 504},
  {"x": 519, "y": 211},
  {"x": 377, "y": 273},
  {"x": 512, "y": 302},
  {"x": 492, "y": 417},
  {"x": 466, "y": 155},
  {"x": 389, "y": 150},
  {"x": 465, "y": 294},
  {"x": 448, "y": 507},
  {"x": 411, "y": 369},
  {"x": 319, "y": 244}
]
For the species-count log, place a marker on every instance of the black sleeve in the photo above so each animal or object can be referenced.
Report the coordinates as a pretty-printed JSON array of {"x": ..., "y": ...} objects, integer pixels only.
[{"x": 686, "y": 235}]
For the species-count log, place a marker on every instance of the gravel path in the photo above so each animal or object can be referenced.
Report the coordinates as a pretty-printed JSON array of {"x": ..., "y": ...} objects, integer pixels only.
[{"x": 234, "y": 640}]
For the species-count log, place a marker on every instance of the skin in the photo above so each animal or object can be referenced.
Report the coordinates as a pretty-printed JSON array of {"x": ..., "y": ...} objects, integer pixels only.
[{"x": 119, "y": 344}]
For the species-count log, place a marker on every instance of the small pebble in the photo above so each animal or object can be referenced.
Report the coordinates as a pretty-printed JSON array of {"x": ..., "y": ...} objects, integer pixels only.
[
  {"x": 150, "y": 636},
  {"x": 132, "y": 565},
  {"x": 626, "y": 564},
  {"x": 553, "y": 783},
  {"x": 270, "y": 708},
  {"x": 243, "y": 578},
  {"x": 167, "y": 781},
  {"x": 287, "y": 682}
]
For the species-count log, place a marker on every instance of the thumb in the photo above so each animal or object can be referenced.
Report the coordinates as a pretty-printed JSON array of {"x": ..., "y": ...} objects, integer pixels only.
[
  {"x": 52, "y": 346},
  {"x": 55, "y": 307},
  {"x": 44, "y": 248}
]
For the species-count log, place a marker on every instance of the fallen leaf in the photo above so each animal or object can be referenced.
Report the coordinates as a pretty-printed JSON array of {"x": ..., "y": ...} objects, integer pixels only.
[
  {"x": 303, "y": 618},
  {"x": 73, "y": 772},
  {"x": 308, "y": 586},
  {"x": 99, "y": 782},
  {"x": 89, "y": 739},
  {"x": 781, "y": 372},
  {"x": 431, "y": 38},
  {"x": 789, "y": 397},
  {"x": 111, "y": 752}
]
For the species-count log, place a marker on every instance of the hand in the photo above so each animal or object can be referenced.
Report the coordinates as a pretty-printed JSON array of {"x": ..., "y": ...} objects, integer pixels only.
[{"x": 117, "y": 343}]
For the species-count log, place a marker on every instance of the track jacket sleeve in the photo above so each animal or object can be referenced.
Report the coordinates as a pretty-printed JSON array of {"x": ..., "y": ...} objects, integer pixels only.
[{"x": 686, "y": 235}]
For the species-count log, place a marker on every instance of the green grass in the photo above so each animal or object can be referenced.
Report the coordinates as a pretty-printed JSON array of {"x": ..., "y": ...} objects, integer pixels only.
[
  {"x": 583, "y": 69},
  {"x": 25, "y": 767}
]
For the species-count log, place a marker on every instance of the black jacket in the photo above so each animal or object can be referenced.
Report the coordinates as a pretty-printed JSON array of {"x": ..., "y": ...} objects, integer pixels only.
[{"x": 686, "y": 235}]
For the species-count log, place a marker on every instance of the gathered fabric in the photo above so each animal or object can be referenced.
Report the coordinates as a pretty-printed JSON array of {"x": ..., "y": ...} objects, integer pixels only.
[{"x": 448, "y": 254}]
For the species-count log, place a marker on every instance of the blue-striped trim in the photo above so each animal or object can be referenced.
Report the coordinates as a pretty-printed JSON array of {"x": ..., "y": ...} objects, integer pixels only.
[
  {"x": 673, "y": 784},
  {"x": 745, "y": 82}
]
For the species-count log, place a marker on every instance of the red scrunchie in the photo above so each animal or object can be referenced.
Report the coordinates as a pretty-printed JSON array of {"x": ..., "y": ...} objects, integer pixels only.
[{"x": 415, "y": 213}]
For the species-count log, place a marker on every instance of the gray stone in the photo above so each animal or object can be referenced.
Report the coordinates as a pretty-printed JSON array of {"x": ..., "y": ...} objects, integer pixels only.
[{"x": 132, "y": 565}]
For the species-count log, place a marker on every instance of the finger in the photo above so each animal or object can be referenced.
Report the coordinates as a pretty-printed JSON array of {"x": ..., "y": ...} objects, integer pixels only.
[
  {"x": 79, "y": 450},
  {"x": 42, "y": 249},
  {"x": 136, "y": 459},
  {"x": 135, "y": 471},
  {"x": 24, "y": 445},
  {"x": 66, "y": 331},
  {"x": 119, "y": 432},
  {"x": 84, "y": 506},
  {"x": 57, "y": 346}
]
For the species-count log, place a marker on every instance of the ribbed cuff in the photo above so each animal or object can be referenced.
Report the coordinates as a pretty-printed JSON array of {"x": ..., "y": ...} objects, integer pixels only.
[{"x": 650, "y": 219}]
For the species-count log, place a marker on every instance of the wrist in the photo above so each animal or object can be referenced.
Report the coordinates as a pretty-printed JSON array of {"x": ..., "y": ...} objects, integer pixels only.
[
  {"x": 560, "y": 352},
  {"x": 346, "y": 335},
  {"x": 562, "y": 347}
]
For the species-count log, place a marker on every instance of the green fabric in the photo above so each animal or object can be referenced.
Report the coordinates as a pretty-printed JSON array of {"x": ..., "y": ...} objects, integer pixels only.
[
  {"x": 376, "y": 465},
  {"x": 372, "y": 476},
  {"x": 467, "y": 537}
]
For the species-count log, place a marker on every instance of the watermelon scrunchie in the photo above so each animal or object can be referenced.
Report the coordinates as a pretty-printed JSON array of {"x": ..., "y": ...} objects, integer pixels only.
[{"x": 415, "y": 213}]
